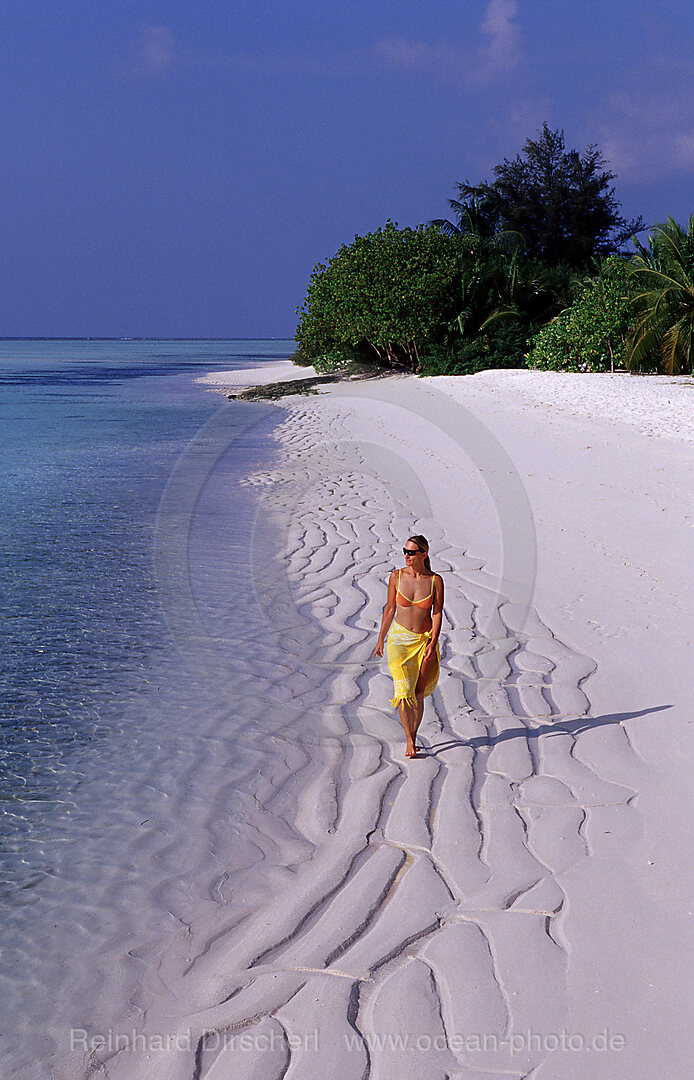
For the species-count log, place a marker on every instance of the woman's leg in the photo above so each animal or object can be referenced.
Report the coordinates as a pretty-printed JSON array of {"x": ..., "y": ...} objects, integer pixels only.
[
  {"x": 425, "y": 673},
  {"x": 419, "y": 713},
  {"x": 408, "y": 717}
]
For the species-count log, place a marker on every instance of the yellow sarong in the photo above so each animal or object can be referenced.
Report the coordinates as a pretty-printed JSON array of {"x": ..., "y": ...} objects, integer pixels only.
[{"x": 405, "y": 652}]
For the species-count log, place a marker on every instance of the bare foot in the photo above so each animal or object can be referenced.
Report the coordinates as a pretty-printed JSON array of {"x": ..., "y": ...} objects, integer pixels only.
[{"x": 411, "y": 751}]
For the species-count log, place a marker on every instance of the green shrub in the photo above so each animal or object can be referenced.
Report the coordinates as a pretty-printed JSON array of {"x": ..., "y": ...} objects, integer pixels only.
[
  {"x": 389, "y": 294},
  {"x": 503, "y": 346},
  {"x": 592, "y": 333}
]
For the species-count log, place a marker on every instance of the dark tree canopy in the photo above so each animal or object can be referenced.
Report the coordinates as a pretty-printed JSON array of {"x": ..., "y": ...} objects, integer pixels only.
[{"x": 560, "y": 202}]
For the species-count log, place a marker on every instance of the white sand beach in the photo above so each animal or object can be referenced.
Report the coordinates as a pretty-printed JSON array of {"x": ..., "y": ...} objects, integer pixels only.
[
  {"x": 260, "y": 374},
  {"x": 517, "y": 901}
]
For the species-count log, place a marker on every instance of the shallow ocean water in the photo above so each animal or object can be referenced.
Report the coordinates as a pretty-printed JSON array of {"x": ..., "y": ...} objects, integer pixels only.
[{"x": 97, "y": 704}]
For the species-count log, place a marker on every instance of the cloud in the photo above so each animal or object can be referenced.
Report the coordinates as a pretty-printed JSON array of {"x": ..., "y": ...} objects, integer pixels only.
[
  {"x": 499, "y": 26},
  {"x": 496, "y": 50},
  {"x": 468, "y": 65},
  {"x": 646, "y": 132},
  {"x": 152, "y": 54}
]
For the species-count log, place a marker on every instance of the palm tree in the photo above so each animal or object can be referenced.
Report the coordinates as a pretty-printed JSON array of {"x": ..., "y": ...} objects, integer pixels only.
[
  {"x": 663, "y": 277},
  {"x": 475, "y": 221}
]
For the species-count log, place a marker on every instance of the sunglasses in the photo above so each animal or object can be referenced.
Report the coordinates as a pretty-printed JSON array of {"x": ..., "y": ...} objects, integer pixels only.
[{"x": 412, "y": 551}]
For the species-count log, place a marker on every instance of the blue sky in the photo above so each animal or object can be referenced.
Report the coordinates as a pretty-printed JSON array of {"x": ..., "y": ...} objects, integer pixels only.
[{"x": 177, "y": 168}]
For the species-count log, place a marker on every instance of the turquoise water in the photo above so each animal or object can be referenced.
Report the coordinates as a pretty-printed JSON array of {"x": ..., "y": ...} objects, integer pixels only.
[{"x": 91, "y": 431}]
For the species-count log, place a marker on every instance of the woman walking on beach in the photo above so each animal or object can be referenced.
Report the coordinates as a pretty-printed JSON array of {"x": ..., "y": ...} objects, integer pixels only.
[{"x": 415, "y": 593}]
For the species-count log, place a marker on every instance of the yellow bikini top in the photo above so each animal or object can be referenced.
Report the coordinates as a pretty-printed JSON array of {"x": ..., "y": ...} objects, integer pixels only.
[{"x": 415, "y": 603}]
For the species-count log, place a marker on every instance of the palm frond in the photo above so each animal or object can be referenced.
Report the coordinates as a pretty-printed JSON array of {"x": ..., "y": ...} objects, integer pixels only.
[
  {"x": 643, "y": 252},
  {"x": 659, "y": 278},
  {"x": 671, "y": 350},
  {"x": 641, "y": 344},
  {"x": 500, "y": 313},
  {"x": 509, "y": 240},
  {"x": 445, "y": 226}
]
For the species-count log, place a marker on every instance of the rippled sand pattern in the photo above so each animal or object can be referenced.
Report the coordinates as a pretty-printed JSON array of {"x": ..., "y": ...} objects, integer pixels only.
[{"x": 386, "y": 899}]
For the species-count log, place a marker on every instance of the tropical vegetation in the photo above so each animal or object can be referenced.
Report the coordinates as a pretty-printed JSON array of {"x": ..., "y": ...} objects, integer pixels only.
[
  {"x": 533, "y": 270},
  {"x": 662, "y": 277},
  {"x": 592, "y": 333},
  {"x": 387, "y": 297},
  {"x": 560, "y": 202}
]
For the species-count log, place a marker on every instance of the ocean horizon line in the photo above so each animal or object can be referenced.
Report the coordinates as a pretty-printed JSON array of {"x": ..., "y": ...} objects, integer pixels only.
[{"x": 98, "y": 338}]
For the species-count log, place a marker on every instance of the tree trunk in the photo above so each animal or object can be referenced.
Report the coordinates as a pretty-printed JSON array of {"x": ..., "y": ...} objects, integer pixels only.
[{"x": 380, "y": 353}]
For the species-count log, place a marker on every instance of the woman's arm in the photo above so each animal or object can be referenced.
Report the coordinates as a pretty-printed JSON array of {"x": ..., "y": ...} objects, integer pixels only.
[
  {"x": 388, "y": 615},
  {"x": 436, "y": 616}
]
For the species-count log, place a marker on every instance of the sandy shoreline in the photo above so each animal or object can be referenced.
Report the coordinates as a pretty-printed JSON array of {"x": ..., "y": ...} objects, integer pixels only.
[
  {"x": 260, "y": 374},
  {"x": 529, "y": 874}
]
